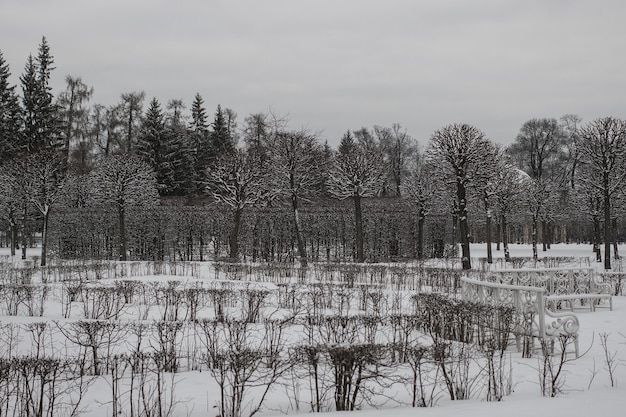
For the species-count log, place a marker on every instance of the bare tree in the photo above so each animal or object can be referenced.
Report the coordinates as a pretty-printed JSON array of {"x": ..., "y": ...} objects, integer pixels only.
[
  {"x": 508, "y": 187},
  {"x": 241, "y": 357},
  {"x": 131, "y": 106},
  {"x": 539, "y": 198},
  {"x": 10, "y": 203},
  {"x": 357, "y": 174},
  {"x": 98, "y": 337},
  {"x": 123, "y": 181},
  {"x": 602, "y": 149},
  {"x": 460, "y": 156},
  {"x": 71, "y": 102},
  {"x": 418, "y": 190},
  {"x": 399, "y": 148},
  {"x": 238, "y": 181},
  {"x": 541, "y": 150},
  {"x": 296, "y": 173},
  {"x": 38, "y": 179},
  {"x": 539, "y": 147},
  {"x": 571, "y": 130}
]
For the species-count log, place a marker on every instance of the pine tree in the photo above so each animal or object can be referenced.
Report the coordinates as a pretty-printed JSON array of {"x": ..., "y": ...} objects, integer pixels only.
[
  {"x": 200, "y": 144},
  {"x": 41, "y": 119},
  {"x": 221, "y": 141},
  {"x": 180, "y": 147},
  {"x": 152, "y": 144},
  {"x": 29, "y": 102},
  {"x": 346, "y": 146},
  {"x": 10, "y": 115}
]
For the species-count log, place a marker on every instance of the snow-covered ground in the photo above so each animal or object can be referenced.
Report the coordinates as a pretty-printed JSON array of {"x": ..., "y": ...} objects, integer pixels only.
[{"x": 587, "y": 390}]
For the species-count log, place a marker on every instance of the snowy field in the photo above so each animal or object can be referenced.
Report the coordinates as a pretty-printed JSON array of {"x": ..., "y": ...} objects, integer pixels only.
[{"x": 587, "y": 389}]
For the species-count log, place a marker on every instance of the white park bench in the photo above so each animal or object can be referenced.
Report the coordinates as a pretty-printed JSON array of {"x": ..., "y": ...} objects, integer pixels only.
[
  {"x": 575, "y": 288},
  {"x": 528, "y": 301}
]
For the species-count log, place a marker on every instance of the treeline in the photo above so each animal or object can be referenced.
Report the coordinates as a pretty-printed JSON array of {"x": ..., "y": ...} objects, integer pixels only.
[
  {"x": 103, "y": 171},
  {"x": 202, "y": 232}
]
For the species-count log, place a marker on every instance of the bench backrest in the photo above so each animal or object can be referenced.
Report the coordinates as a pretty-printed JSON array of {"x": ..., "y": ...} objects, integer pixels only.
[
  {"x": 555, "y": 281},
  {"x": 524, "y": 299}
]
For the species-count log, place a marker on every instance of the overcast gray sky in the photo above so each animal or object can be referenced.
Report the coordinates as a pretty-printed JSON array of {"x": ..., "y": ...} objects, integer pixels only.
[{"x": 334, "y": 65}]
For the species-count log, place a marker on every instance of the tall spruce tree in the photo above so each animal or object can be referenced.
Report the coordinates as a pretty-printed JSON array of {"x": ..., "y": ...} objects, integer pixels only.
[
  {"x": 153, "y": 146},
  {"x": 221, "y": 140},
  {"x": 41, "y": 116},
  {"x": 180, "y": 145},
  {"x": 10, "y": 115},
  {"x": 200, "y": 143},
  {"x": 29, "y": 103}
]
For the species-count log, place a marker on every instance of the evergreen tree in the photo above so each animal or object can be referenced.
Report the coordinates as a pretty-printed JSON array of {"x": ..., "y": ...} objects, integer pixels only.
[
  {"x": 152, "y": 146},
  {"x": 29, "y": 103},
  {"x": 42, "y": 124},
  {"x": 221, "y": 141},
  {"x": 198, "y": 115},
  {"x": 10, "y": 115},
  {"x": 200, "y": 143},
  {"x": 346, "y": 146},
  {"x": 181, "y": 150}
]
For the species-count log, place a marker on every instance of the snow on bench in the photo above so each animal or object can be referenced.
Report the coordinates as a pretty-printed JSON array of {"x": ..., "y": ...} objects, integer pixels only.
[
  {"x": 593, "y": 301},
  {"x": 576, "y": 287},
  {"x": 616, "y": 279},
  {"x": 528, "y": 301}
]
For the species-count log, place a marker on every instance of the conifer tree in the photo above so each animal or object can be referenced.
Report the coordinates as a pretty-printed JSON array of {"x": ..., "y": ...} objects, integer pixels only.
[
  {"x": 346, "y": 145},
  {"x": 41, "y": 116},
  {"x": 200, "y": 143},
  {"x": 10, "y": 115},
  {"x": 180, "y": 145},
  {"x": 153, "y": 147},
  {"x": 29, "y": 103},
  {"x": 221, "y": 141}
]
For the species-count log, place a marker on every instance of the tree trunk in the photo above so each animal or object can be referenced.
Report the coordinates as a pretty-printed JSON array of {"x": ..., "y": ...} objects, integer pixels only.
[
  {"x": 534, "y": 237},
  {"x": 420, "y": 235},
  {"x": 505, "y": 240},
  {"x": 234, "y": 234},
  {"x": 13, "y": 227},
  {"x": 298, "y": 230},
  {"x": 44, "y": 238},
  {"x": 607, "y": 228},
  {"x": 358, "y": 217},
  {"x": 488, "y": 231},
  {"x": 122, "y": 222},
  {"x": 24, "y": 242},
  {"x": 614, "y": 237},
  {"x": 544, "y": 236},
  {"x": 463, "y": 227},
  {"x": 596, "y": 239},
  {"x": 498, "y": 236},
  {"x": 455, "y": 225}
]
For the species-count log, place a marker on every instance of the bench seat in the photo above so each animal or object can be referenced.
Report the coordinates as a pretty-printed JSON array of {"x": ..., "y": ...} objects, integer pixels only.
[{"x": 593, "y": 300}]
